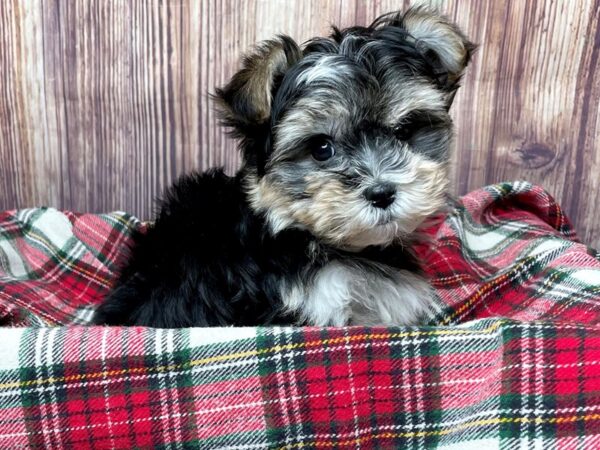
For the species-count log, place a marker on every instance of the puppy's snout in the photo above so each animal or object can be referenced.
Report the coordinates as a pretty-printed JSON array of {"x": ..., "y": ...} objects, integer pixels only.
[{"x": 381, "y": 195}]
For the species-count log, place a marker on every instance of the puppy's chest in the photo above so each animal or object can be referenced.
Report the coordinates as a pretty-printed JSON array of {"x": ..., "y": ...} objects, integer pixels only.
[{"x": 342, "y": 293}]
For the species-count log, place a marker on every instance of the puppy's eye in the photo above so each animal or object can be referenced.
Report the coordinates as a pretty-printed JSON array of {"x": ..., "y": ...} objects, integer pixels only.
[
  {"x": 322, "y": 148},
  {"x": 404, "y": 132},
  {"x": 413, "y": 122}
]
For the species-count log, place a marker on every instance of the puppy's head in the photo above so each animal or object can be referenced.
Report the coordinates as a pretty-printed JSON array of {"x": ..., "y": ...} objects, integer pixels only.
[{"x": 348, "y": 137}]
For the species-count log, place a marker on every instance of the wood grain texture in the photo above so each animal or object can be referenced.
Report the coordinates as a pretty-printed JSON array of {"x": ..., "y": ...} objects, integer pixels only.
[{"x": 103, "y": 103}]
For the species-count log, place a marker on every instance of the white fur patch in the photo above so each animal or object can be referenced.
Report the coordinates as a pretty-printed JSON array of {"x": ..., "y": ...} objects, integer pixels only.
[
  {"x": 343, "y": 294},
  {"x": 329, "y": 68}
]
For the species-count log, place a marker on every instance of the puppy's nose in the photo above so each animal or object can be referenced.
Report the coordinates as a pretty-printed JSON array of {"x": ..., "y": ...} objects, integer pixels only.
[{"x": 381, "y": 195}]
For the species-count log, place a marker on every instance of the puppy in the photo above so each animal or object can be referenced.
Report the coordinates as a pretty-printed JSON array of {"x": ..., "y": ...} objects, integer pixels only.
[{"x": 345, "y": 145}]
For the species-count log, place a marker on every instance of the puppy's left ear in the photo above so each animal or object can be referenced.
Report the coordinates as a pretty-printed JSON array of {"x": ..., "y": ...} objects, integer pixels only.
[
  {"x": 441, "y": 43},
  {"x": 245, "y": 101}
]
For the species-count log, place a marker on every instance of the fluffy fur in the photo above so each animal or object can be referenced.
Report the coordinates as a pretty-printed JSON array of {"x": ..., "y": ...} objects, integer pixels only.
[{"x": 345, "y": 151}]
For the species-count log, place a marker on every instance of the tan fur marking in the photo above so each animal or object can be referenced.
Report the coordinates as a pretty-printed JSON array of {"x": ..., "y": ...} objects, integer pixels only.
[
  {"x": 340, "y": 216},
  {"x": 262, "y": 68},
  {"x": 439, "y": 34},
  {"x": 251, "y": 86}
]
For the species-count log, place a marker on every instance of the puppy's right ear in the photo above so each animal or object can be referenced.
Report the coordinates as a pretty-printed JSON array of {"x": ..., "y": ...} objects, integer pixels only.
[{"x": 246, "y": 100}]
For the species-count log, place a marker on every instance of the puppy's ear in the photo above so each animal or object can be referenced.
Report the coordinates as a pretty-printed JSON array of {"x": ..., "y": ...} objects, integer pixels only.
[
  {"x": 441, "y": 43},
  {"x": 246, "y": 100}
]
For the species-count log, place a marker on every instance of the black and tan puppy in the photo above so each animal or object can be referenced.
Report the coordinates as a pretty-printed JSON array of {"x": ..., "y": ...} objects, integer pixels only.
[{"x": 345, "y": 146}]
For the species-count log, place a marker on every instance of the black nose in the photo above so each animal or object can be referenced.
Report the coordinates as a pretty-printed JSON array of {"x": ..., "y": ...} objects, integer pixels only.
[{"x": 381, "y": 195}]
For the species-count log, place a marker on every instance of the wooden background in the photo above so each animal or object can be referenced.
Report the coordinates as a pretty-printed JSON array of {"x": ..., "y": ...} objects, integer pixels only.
[{"x": 104, "y": 102}]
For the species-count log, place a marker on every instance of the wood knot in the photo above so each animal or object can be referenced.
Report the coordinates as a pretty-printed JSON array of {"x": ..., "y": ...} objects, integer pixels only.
[{"x": 533, "y": 155}]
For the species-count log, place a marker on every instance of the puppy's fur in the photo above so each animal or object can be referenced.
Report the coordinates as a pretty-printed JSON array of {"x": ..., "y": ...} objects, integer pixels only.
[{"x": 345, "y": 152}]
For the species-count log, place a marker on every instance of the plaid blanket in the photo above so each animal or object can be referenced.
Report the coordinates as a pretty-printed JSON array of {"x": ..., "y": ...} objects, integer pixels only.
[{"x": 510, "y": 360}]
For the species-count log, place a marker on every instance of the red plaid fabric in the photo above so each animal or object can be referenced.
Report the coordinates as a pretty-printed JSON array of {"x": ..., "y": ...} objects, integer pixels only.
[
  {"x": 55, "y": 265},
  {"x": 511, "y": 358}
]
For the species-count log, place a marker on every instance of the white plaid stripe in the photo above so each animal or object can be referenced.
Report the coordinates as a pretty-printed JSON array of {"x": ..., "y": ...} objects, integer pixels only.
[
  {"x": 84, "y": 315},
  {"x": 174, "y": 341},
  {"x": 348, "y": 348},
  {"x": 10, "y": 342},
  {"x": 162, "y": 359},
  {"x": 54, "y": 353},
  {"x": 407, "y": 379},
  {"x": 220, "y": 335},
  {"x": 104, "y": 344},
  {"x": 55, "y": 227},
  {"x": 538, "y": 376},
  {"x": 525, "y": 379},
  {"x": 11, "y": 263},
  {"x": 48, "y": 414},
  {"x": 475, "y": 444},
  {"x": 289, "y": 358},
  {"x": 281, "y": 385},
  {"x": 418, "y": 382}
]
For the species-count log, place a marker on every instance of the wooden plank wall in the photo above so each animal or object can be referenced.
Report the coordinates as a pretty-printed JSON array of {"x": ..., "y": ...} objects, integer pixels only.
[{"x": 103, "y": 103}]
